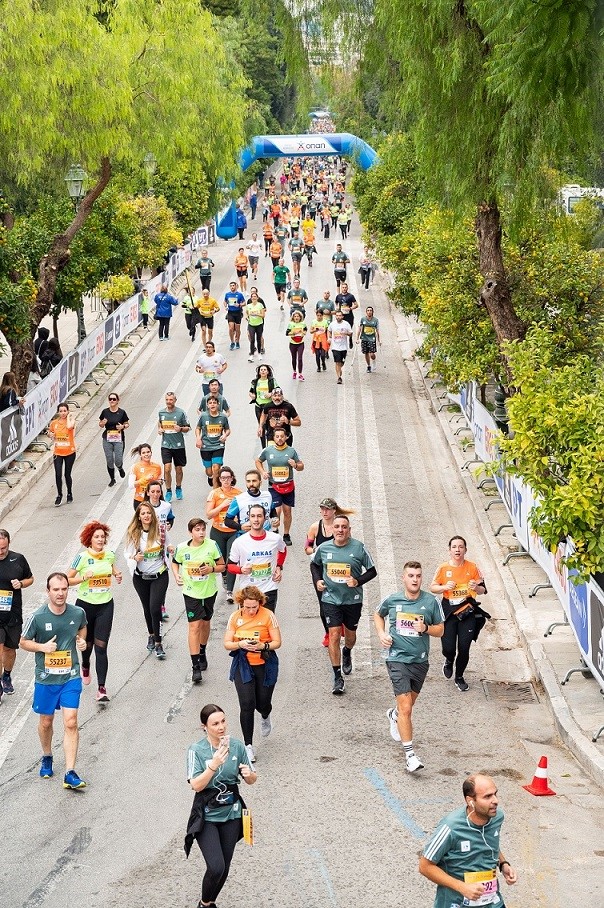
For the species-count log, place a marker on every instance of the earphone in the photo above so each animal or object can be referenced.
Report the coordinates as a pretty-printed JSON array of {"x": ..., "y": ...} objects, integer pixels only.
[{"x": 472, "y": 804}]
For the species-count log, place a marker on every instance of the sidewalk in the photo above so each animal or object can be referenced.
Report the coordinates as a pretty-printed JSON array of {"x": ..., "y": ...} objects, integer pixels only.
[{"x": 578, "y": 705}]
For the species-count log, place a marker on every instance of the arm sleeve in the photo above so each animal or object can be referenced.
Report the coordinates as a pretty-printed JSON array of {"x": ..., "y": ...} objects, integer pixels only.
[
  {"x": 281, "y": 556},
  {"x": 316, "y": 571},
  {"x": 369, "y": 574}
]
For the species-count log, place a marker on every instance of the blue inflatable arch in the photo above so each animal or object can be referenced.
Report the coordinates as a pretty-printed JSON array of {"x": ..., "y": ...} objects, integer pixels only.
[{"x": 324, "y": 145}]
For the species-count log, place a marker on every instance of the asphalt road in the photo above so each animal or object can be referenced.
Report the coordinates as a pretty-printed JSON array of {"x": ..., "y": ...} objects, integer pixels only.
[{"x": 338, "y": 821}]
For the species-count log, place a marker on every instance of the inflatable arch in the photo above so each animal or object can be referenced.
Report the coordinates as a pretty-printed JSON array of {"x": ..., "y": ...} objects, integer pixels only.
[{"x": 335, "y": 143}]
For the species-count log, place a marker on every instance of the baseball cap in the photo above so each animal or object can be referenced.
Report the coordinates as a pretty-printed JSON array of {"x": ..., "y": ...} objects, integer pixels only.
[{"x": 328, "y": 503}]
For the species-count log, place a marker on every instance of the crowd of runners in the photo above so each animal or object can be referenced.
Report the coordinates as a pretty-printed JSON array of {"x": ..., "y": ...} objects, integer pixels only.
[{"x": 239, "y": 547}]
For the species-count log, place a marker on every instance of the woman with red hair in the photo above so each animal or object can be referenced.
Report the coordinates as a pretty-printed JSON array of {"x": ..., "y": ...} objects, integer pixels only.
[{"x": 92, "y": 572}]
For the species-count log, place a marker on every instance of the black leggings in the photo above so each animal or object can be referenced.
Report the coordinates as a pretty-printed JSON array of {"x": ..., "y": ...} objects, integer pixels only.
[
  {"x": 152, "y": 594},
  {"x": 224, "y": 541},
  {"x": 100, "y": 620},
  {"x": 320, "y": 357},
  {"x": 458, "y": 638},
  {"x": 253, "y": 696},
  {"x": 217, "y": 842},
  {"x": 68, "y": 460},
  {"x": 164, "y": 327},
  {"x": 297, "y": 355},
  {"x": 365, "y": 275},
  {"x": 254, "y": 332},
  {"x": 206, "y": 280}
]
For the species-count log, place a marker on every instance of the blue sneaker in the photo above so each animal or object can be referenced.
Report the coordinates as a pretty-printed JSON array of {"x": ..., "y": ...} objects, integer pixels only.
[
  {"x": 73, "y": 781},
  {"x": 232, "y": 347},
  {"x": 46, "y": 770},
  {"x": 178, "y": 493},
  {"x": 7, "y": 684},
  {"x": 168, "y": 495}
]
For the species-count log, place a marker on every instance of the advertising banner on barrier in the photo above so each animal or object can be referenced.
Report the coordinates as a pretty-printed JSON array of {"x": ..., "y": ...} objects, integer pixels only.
[
  {"x": 583, "y": 603},
  {"x": 19, "y": 427}
]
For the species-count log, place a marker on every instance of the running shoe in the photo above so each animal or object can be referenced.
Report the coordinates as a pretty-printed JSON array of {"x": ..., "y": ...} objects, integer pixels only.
[
  {"x": 394, "y": 732},
  {"x": 319, "y": 369},
  {"x": 266, "y": 727},
  {"x": 69, "y": 498},
  {"x": 413, "y": 763},
  {"x": 111, "y": 483},
  {"x": 58, "y": 500},
  {"x": 448, "y": 669},
  {"x": 46, "y": 770},
  {"x": 300, "y": 377},
  {"x": 369, "y": 368},
  {"x": 159, "y": 651},
  {"x": 121, "y": 471},
  {"x": 203, "y": 661},
  {"x": 338, "y": 687},
  {"x": 196, "y": 676},
  {"x": 287, "y": 539},
  {"x": 7, "y": 683},
  {"x": 101, "y": 695},
  {"x": 462, "y": 685},
  {"x": 294, "y": 375},
  {"x": 179, "y": 495},
  {"x": 346, "y": 661},
  {"x": 250, "y": 753},
  {"x": 250, "y": 358},
  {"x": 232, "y": 347},
  {"x": 339, "y": 381},
  {"x": 85, "y": 675},
  {"x": 237, "y": 346},
  {"x": 151, "y": 643},
  {"x": 73, "y": 781},
  {"x": 230, "y": 598},
  {"x": 168, "y": 495}
]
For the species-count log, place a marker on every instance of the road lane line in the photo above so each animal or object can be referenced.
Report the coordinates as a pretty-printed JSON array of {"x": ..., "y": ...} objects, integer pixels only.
[
  {"x": 323, "y": 870},
  {"x": 394, "y": 804}
]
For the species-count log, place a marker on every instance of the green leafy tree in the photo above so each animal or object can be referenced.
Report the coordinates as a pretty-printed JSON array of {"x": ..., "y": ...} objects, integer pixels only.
[
  {"x": 152, "y": 226},
  {"x": 102, "y": 84}
]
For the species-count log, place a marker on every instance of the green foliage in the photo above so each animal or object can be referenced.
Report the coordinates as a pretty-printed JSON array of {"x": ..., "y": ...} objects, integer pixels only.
[
  {"x": 152, "y": 225},
  {"x": 187, "y": 192},
  {"x": 117, "y": 287},
  {"x": 557, "y": 445}
]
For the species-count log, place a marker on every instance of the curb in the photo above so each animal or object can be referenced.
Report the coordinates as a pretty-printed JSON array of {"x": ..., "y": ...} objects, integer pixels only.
[{"x": 588, "y": 755}]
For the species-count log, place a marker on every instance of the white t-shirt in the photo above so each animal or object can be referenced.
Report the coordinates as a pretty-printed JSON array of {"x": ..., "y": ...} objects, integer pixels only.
[
  {"x": 262, "y": 555},
  {"x": 210, "y": 365},
  {"x": 254, "y": 247},
  {"x": 339, "y": 332}
]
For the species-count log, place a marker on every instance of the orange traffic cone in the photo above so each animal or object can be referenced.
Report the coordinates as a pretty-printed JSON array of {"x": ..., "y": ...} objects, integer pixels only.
[{"x": 539, "y": 786}]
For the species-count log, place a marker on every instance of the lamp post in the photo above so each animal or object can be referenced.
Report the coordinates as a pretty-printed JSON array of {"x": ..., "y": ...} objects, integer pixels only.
[
  {"x": 150, "y": 165},
  {"x": 75, "y": 181}
]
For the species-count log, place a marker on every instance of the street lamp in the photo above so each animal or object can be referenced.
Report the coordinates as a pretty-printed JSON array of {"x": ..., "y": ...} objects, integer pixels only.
[
  {"x": 75, "y": 180},
  {"x": 150, "y": 165}
]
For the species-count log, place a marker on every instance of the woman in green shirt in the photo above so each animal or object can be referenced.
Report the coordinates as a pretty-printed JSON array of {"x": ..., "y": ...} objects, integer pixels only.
[
  {"x": 255, "y": 313},
  {"x": 92, "y": 572},
  {"x": 261, "y": 388},
  {"x": 296, "y": 331}
]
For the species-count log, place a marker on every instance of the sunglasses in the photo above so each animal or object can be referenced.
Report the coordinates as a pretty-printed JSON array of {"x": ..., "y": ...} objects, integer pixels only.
[{"x": 112, "y": 398}]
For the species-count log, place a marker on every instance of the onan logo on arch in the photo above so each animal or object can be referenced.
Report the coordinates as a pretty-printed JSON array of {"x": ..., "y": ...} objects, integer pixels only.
[{"x": 313, "y": 146}]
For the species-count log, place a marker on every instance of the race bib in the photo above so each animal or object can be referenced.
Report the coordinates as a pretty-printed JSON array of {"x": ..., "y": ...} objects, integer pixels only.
[
  {"x": 194, "y": 572},
  {"x": 280, "y": 474},
  {"x": 243, "y": 634},
  {"x": 152, "y": 554},
  {"x": 209, "y": 375},
  {"x": 100, "y": 583},
  {"x": 489, "y": 881},
  {"x": 367, "y": 329},
  {"x": 169, "y": 427},
  {"x": 404, "y": 624},
  {"x": 214, "y": 430},
  {"x": 262, "y": 570},
  {"x": 114, "y": 436},
  {"x": 338, "y": 573},
  {"x": 6, "y": 600},
  {"x": 62, "y": 443},
  {"x": 59, "y": 662},
  {"x": 460, "y": 593}
]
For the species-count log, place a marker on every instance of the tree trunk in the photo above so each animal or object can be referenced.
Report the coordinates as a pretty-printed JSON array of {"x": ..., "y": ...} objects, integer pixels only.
[
  {"x": 50, "y": 267},
  {"x": 495, "y": 294}
]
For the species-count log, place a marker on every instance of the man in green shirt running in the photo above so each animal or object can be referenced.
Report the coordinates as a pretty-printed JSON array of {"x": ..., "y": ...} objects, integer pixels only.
[
  {"x": 194, "y": 565},
  {"x": 339, "y": 569},
  {"x": 56, "y": 632},
  {"x": 281, "y": 279},
  {"x": 464, "y": 852},
  {"x": 413, "y": 616},
  {"x": 211, "y": 433},
  {"x": 172, "y": 424}
]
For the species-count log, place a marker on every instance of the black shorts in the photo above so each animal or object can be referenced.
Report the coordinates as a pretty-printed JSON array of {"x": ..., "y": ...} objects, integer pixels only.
[
  {"x": 10, "y": 635},
  {"x": 241, "y": 272},
  {"x": 235, "y": 317},
  {"x": 207, "y": 321},
  {"x": 253, "y": 260},
  {"x": 177, "y": 456},
  {"x": 339, "y": 355},
  {"x": 199, "y": 609},
  {"x": 368, "y": 345},
  {"x": 296, "y": 256},
  {"x": 349, "y": 615},
  {"x": 279, "y": 289},
  {"x": 279, "y": 498},
  {"x": 407, "y": 677}
]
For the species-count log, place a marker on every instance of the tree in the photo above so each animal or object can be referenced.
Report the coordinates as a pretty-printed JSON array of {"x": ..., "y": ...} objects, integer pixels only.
[
  {"x": 153, "y": 229},
  {"x": 102, "y": 84}
]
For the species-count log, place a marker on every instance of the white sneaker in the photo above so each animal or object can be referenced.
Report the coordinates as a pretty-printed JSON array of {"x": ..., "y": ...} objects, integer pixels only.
[
  {"x": 413, "y": 763},
  {"x": 266, "y": 727},
  {"x": 394, "y": 732},
  {"x": 250, "y": 358},
  {"x": 250, "y": 753}
]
